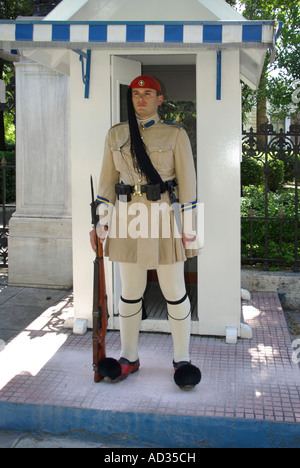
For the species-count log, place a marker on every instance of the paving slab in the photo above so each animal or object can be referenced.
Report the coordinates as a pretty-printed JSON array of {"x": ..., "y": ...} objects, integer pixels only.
[{"x": 249, "y": 394}]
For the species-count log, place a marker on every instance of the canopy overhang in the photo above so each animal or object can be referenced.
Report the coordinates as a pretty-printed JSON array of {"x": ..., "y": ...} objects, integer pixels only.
[{"x": 40, "y": 38}]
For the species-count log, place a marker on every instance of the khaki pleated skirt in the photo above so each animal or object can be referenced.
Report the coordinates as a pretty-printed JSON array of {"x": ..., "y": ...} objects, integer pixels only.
[{"x": 147, "y": 233}]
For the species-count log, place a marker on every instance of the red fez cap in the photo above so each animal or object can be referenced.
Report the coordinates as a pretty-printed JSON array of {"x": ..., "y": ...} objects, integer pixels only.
[{"x": 145, "y": 81}]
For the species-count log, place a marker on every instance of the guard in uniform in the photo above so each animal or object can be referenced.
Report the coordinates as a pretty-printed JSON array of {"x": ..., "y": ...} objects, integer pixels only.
[{"x": 147, "y": 201}]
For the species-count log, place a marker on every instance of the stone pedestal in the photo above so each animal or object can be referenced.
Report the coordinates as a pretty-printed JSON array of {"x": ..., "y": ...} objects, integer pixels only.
[{"x": 40, "y": 231}]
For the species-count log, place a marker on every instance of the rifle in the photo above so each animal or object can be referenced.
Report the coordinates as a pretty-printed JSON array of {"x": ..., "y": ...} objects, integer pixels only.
[{"x": 100, "y": 313}]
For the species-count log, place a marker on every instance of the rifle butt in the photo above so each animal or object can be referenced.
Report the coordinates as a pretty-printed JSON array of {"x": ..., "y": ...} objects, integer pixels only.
[
  {"x": 97, "y": 377},
  {"x": 100, "y": 314}
]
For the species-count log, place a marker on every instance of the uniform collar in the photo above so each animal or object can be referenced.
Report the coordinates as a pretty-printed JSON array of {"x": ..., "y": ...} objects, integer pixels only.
[{"x": 149, "y": 122}]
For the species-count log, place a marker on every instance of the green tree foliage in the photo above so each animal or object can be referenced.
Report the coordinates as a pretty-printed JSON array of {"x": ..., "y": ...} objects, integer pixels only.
[
  {"x": 281, "y": 232},
  {"x": 10, "y": 9},
  {"x": 279, "y": 78},
  {"x": 43, "y": 7}
]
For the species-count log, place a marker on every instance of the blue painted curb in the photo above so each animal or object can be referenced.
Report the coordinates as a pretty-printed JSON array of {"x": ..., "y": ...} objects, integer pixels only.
[{"x": 149, "y": 430}]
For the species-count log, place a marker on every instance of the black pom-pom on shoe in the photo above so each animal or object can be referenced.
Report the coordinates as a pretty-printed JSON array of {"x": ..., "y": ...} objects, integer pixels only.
[
  {"x": 186, "y": 375},
  {"x": 114, "y": 371},
  {"x": 110, "y": 368}
]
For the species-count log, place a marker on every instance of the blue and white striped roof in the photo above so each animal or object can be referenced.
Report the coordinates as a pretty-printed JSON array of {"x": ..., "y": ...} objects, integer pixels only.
[{"x": 242, "y": 34}]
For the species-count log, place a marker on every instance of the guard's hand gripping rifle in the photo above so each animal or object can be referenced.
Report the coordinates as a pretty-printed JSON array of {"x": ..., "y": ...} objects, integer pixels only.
[{"x": 100, "y": 314}]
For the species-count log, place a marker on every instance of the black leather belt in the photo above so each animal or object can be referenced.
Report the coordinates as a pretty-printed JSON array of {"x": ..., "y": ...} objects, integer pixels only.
[{"x": 153, "y": 191}]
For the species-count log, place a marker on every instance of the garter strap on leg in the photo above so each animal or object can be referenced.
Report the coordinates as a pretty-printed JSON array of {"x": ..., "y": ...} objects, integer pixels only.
[
  {"x": 178, "y": 302},
  {"x": 174, "y": 303},
  {"x": 135, "y": 301}
]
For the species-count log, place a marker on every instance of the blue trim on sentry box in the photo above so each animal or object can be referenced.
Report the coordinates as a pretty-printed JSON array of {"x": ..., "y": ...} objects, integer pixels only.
[
  {"x": 135, "y": 33},
  {"x": 98, "y": 33},
  {"x": 212, "y": 34},
  {"x": 252, "y": 33},
  {"x": 174, "y": 23},
  {"x": 174, "y": 33},
  {"x": 219, "y": 75},
  {"x": 24, "y": 32},
  {"x": 61, "y": 32}
]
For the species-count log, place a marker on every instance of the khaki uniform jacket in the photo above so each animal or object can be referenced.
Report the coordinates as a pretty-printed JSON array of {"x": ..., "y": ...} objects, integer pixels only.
[{"x": 142, "y": 231}]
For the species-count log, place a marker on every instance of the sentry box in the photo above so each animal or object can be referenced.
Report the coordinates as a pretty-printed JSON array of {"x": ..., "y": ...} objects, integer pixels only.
[{"x": 71, "y": 71}]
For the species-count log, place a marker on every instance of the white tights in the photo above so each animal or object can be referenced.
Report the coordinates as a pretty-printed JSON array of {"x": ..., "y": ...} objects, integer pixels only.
[{"x": 172, "y": 284}]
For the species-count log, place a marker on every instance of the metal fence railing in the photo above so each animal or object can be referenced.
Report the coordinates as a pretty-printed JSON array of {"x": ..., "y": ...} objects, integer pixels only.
[
  {"x": 270, "y": 210},
  {"x": 7, "y": 206},
  {"x": 270, "y": 173}
]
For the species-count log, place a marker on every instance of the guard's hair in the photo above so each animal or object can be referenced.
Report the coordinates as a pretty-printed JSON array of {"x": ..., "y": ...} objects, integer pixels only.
[{"x": 138, "y": 149}]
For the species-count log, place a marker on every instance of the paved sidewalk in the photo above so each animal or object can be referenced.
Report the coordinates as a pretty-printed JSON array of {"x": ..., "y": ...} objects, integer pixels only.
[{"x": 248, "y": 396}]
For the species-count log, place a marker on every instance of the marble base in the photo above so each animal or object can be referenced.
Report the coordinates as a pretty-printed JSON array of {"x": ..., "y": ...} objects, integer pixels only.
[{"x": 40, "y": 252}]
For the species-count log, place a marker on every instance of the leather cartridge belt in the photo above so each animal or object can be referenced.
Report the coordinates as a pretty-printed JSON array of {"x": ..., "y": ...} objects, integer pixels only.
[{"x": 153, "y": 191}]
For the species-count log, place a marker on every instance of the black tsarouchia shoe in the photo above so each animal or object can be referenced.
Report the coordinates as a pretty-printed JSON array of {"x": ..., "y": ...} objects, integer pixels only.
[
  {"x": 115, "y": 371},
  {"x": 186, "y": 375}
]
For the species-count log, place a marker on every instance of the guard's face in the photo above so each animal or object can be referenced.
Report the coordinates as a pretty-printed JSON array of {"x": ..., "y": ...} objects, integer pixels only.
[{"x": 145, "y": 102}]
